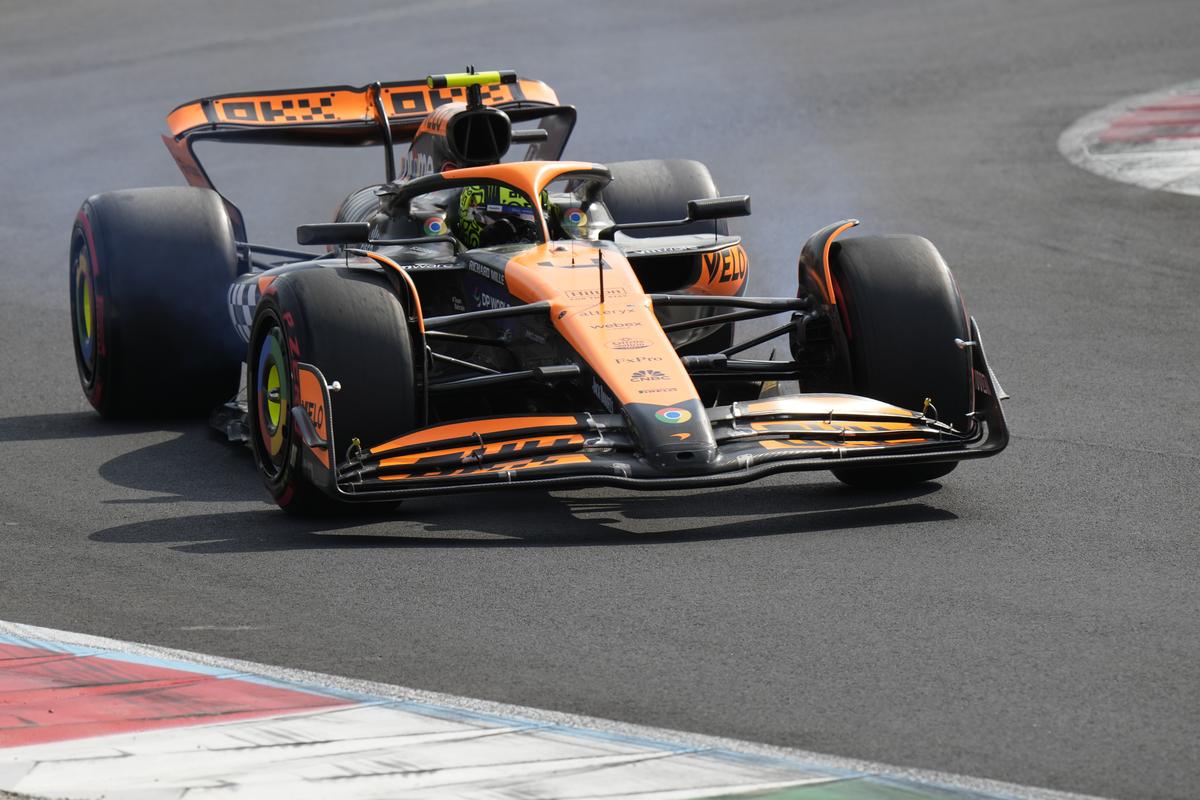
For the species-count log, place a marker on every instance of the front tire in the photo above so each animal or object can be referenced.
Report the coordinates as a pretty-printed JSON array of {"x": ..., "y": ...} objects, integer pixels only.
[
  {"x": 901, "y": 312},
  {"x": 351, "y": 326},
  {"x": 149, "y": 272}
]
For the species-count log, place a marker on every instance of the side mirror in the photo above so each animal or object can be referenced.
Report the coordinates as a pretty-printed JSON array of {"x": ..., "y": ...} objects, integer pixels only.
[
  {"x": 712, "y": 208},
  {"x": 719, "y": 207},
  {"x": 334, "y": 233}
]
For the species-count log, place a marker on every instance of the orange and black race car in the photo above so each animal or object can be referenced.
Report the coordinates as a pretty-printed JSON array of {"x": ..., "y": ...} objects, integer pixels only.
[{"x": 486, "y": 318}]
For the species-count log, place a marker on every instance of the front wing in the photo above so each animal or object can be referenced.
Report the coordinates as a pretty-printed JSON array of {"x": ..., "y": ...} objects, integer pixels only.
[{"x": 754, "y": 439}]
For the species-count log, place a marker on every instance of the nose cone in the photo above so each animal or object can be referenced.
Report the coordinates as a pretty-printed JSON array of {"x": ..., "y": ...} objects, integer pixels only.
[
  {"x": 676, "y": 439},
  {"x": 615, "y": 331}
]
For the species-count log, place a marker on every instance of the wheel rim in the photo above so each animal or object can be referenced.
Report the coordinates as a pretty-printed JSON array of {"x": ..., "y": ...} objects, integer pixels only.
[
  {"x": 85, "y": 313},
  {"x": 272, "y": 398}
]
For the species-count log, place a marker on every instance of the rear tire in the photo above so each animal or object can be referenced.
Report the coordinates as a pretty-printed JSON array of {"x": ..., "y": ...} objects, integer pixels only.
[
  {"x": 901, "y": 312},
  {"x": 149, "y": 274},
  {"x": 350, "y": 325},
  {"x": 658, "y": 189}
]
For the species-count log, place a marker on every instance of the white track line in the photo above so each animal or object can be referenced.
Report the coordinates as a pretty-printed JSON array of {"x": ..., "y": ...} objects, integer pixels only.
[
  {"x": 395, "y": 741},
  {"x": 1162, "y": 154}
]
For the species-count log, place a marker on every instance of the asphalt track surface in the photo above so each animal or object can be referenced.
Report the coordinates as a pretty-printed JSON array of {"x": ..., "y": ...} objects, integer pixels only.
[{"x": 1033, "y": 619}]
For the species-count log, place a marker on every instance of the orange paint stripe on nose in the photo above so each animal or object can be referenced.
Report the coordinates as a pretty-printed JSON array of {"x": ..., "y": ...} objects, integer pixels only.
[{"x": 620, "y": 338}]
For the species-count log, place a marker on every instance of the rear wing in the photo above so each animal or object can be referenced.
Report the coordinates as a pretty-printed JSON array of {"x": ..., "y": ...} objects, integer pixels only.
[{"x": 349, "y": 116}]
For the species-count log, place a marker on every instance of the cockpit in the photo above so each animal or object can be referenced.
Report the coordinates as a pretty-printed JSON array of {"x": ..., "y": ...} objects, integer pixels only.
[{"x": 480, "y": 211}]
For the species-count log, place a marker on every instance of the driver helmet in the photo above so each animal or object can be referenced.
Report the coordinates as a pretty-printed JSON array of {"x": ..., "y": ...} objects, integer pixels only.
[{"x": 489, "y": 214}]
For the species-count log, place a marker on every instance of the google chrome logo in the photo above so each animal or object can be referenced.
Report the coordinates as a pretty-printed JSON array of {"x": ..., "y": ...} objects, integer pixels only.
[{"x": 673, "y": 416}]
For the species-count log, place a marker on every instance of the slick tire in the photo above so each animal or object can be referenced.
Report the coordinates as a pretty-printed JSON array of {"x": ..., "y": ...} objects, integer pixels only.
[
  {"x": 351, "y": 326},
  {"x": 149, "y": 273},
  {"x": 901, "y": 312},
  {"x": 654, "y": 189}
]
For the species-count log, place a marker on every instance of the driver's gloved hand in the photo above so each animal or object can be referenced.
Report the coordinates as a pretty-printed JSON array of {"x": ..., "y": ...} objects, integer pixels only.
[{"x": 500, "y": 232}]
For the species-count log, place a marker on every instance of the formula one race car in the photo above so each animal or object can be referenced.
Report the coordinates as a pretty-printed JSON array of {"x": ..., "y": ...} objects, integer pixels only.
[{"x": 482, "y": 320}]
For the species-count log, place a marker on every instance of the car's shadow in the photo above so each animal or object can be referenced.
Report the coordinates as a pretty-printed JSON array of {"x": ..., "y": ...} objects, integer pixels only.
[
  {"x": 196, "y": 465},
  {"x": 67, "y": 425}
]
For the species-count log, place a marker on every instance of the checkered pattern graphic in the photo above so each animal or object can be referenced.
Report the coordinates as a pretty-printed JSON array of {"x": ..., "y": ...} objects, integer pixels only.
[
  {"x": 294, "y": 109},
  {"x": 243, "y": 299},
  {"x": 302, "y": 110}
]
